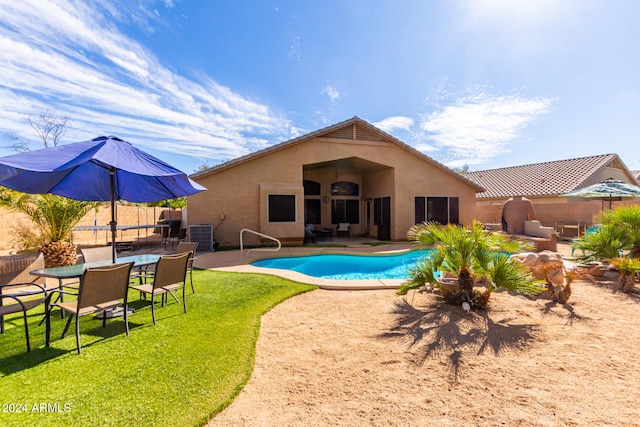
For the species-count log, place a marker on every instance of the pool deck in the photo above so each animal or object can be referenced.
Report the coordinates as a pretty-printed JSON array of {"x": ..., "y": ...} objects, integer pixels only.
[{"x": 235, "y": 261}]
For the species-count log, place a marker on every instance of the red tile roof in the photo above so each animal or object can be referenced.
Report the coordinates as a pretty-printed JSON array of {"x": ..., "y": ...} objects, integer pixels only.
[{"x": 541, "y": 179}]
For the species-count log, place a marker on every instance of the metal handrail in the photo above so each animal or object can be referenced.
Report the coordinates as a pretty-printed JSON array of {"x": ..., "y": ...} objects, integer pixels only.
[{"x": 258, "y": 249}]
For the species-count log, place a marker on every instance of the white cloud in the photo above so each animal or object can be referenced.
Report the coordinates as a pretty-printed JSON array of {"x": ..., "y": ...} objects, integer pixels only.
[
  {"x": 331, "y": 92},
  {"x": 476, "y": 128},
  {"x": 396, "y": 122},
  {"x": 68, "y": 57}
]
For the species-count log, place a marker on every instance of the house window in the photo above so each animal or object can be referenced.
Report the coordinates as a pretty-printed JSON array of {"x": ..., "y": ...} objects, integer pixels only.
[
  {"x": 311, "y": 188},
  {"x": 345, "y": 188},
  {"x": 282, "y": 208},
  {"x": 382, "y": 211},
  {"x": 344, "y": 210},
  {"x": 312, "y": 211},
  {"x": 444, "y": 210}
]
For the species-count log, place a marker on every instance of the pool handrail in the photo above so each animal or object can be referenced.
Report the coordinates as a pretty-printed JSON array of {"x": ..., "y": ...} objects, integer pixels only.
[{"x": 270, "y": 249}]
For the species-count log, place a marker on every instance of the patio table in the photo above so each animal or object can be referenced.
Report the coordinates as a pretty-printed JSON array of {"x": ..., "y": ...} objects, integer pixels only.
[{"x": 75, "y": 271}]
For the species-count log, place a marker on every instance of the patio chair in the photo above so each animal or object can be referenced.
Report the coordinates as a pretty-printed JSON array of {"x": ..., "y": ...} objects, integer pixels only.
[
  {"x": 20, "y": 289},
  {"x": 101, "y": 253},
  {"x": 101, "y": 289},
  {"x": 343, "y": 228},
  {"x": 191, "y": 247},
  {"x": 170, "y": 275},
  {"x": 146, "y": 273},
  {"x": 309, "y": 234}
]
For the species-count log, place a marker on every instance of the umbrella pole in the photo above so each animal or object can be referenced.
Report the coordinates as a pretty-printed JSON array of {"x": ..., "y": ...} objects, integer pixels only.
[{"x": 113, "y": 224}]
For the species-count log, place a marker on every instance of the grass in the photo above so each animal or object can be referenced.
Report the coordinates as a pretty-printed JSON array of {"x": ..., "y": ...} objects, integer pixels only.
[{"x": 180, "y": 372}]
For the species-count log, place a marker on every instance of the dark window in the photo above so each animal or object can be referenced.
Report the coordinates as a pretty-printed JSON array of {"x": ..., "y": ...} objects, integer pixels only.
[
  {"x": 382, "y": 211},
  {"x": 282, "y": 208},
  {"x": 344, "y": 188},
  {"x": 345, "y": 211},
  {"x": 420, "y": 213},
  {"x": 311, "y": 188},
  {"x": 312, "y": 211},
  {"x": 438, "y": 209},
  {"x": 454, "y": 210},
  {"x": 377, "y": 211},
  {"x": 444, "y": 210}
]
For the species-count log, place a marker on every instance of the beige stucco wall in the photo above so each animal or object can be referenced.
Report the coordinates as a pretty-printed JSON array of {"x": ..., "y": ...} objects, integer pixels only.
[{"x": 237, "y": 195}]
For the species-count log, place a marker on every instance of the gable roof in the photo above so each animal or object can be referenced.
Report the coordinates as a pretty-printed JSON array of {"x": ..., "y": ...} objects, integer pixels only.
[
  {"x": 354, "y": 129},
  {"x": 542, "y": 179}
]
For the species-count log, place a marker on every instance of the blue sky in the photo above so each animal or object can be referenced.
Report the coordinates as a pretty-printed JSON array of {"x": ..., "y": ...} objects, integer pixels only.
[{"x": 483, "y": 83}]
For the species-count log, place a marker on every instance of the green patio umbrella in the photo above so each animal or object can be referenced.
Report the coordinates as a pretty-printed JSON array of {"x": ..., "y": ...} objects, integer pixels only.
[{"x": 608, "y": 190}]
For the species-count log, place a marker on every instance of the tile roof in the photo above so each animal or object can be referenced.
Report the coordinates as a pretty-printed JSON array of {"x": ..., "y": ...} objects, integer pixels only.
[{"x": 540, "y": 179}]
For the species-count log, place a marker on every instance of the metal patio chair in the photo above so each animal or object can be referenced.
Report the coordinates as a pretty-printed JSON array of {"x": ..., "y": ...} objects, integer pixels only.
[
  {"x": 101, "y": 289},
  {"x": 170, "y": 275}
]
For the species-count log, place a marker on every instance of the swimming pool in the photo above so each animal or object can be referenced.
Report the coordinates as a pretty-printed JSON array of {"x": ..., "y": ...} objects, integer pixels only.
[{"x": 348, "y": 267}]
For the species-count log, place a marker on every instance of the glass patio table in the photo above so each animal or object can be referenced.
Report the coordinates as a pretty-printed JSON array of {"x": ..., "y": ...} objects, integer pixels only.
[{"x": 75, "y": 271}]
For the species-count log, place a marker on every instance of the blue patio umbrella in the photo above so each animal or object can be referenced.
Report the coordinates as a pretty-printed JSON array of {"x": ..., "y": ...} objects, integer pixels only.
[
  {"x": 103, "y": 169},
  {"x": 607, "y": 190}
]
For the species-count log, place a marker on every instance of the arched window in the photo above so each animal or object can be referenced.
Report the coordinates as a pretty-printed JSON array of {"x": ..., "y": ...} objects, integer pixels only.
[{"x": 345, "y": 188}]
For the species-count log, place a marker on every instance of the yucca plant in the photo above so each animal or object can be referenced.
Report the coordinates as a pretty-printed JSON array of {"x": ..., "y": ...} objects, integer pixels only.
[
  {"x": 471, "y": 254},
  {"x": 54, "y": 218}
]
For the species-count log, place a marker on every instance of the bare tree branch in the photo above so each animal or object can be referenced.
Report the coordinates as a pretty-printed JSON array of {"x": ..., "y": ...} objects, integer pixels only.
[
  {"x": 15, "y": 142},
  {"x": 49, "y": 127}
]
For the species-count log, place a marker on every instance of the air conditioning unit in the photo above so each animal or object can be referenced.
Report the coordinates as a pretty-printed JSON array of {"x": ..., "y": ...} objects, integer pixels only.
[{"x": 203, "y": 234}]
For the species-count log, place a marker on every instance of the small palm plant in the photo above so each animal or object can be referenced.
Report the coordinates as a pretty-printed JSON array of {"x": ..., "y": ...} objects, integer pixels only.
[
  {"x": 605, "y": 242},
  {"x": 472, "y": 254},
  {"x": 628, "y": 269},
  {"x": 54, "y": 216},
  {"x": 617, "y": 240},
  {"x": 626, "y": 219}
]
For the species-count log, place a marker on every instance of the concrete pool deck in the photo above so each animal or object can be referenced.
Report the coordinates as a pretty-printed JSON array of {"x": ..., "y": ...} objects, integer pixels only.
[{"x": 237, "y": 262}]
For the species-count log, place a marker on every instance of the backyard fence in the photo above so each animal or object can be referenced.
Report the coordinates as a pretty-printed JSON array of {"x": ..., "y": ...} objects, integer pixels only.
[{"x": 125, "y": 215}]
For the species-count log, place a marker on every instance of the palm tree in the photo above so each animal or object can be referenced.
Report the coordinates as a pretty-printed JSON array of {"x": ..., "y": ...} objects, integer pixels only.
[
  {"x": 470, "y": 254},
  {"x": 54, "y": 216}
]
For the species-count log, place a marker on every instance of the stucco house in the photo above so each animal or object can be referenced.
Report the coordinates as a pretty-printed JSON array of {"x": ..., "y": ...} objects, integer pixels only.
[
  {"x": 350, "y": 172},
  {"x": 544, "y": 184}
]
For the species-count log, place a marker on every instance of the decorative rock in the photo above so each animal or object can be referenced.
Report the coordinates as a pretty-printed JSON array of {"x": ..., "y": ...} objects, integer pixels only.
[{"x": 546, "y": 265}]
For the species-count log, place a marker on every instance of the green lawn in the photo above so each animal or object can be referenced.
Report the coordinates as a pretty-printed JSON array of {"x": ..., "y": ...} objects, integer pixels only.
[{"x": 180, "y": 372}]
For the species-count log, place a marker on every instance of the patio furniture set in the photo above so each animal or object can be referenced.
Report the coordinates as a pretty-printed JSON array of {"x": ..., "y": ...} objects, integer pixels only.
[{"x": 99, "y": 285}]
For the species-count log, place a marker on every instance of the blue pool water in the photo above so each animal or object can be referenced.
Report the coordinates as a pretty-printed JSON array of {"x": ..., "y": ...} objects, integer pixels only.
[{"x": 348, "y": 267}]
